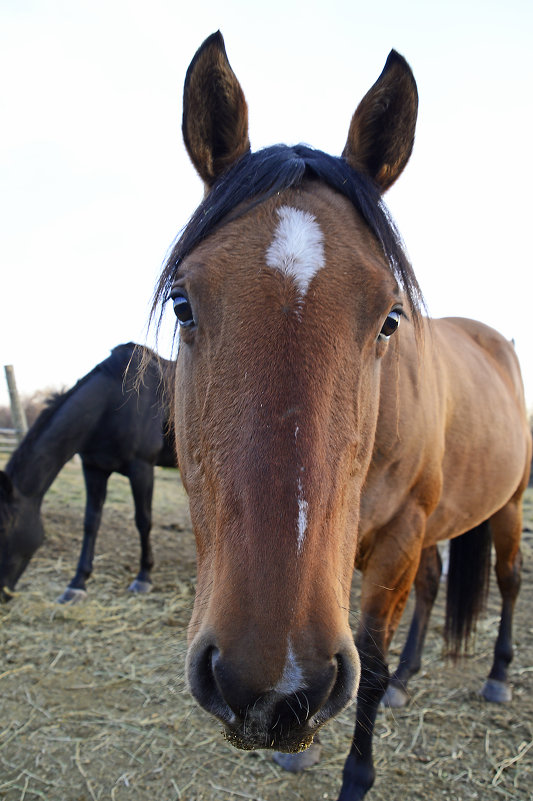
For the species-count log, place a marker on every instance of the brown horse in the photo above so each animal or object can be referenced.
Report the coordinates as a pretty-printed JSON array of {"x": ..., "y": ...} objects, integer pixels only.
[{"x": 322, "y": 421}]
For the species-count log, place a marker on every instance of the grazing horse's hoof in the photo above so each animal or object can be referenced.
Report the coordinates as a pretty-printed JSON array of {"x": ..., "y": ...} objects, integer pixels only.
[
  {"x": 72, "y": 596},
  {"x": 140, "y": 586},
  {"x": 395, "y": 697},
  {"x": 298, "y": 762},
  {"x": 498, "y": 692}
]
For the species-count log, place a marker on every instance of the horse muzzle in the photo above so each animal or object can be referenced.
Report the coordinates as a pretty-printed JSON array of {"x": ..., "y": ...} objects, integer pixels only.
[{"x": 284, "y": 717}]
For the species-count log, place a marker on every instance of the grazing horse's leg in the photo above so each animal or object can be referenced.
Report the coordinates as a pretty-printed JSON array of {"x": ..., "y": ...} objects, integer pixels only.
[
  {"x": 506, "y": 532},
  {"x": 96, "y": 488},
  {"x": 141, "y": 476},
  {"x": 426, "y": 588}
]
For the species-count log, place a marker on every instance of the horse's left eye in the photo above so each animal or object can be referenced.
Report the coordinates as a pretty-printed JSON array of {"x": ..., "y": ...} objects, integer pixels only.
[
  {"x": 390, "y": 325},
  {"x": 182, "y": 309}
]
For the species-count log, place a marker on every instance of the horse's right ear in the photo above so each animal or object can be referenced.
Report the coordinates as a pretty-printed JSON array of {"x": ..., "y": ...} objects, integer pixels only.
[
  {"x": 215, "y": 114},
  {"x": 6, "y": 487}
]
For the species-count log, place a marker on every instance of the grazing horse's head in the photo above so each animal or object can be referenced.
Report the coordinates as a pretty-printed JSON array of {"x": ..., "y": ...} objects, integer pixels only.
[
  {"x": 288, "y": 284},
  {"x": 21, "y": 533}
]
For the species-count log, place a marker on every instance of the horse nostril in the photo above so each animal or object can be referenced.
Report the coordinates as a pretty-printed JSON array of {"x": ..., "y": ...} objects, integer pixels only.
[
  {"x": 210, "y": 683},
  {"x": 344, "y": 687},
  {"x": 211, "y": 656},
  {"x": 201, "y": 659}
]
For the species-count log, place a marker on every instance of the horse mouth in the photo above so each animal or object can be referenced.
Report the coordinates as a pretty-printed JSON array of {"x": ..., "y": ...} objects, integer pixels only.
[
  {"x": 7, "y": 590},
  {"x": 13, "y": 566},
  {"x": 5, "y": 594},
  {"x": 283, "y": 719},
  {"x": 289, "y": 743}
]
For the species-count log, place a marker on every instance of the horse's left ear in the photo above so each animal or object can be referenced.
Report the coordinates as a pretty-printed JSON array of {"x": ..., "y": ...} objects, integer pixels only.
[
  {"x": 382, "y": 131},
  {"x": 215, "y": 114}
]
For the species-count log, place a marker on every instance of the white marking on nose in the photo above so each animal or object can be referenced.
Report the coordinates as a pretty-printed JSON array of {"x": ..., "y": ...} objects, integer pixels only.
[
  {"x": 292, "y": 678},
  {"x": 297, "y": 249},
  {"x": 302, "y": 515}
]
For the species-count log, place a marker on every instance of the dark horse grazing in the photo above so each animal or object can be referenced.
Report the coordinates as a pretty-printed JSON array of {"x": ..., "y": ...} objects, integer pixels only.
[
  {"x": 323, "y": 422},
  {"x": 116, "y": 424}
]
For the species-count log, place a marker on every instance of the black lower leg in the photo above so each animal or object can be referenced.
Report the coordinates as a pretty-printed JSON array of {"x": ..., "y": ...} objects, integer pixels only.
[
  {"x": 509, "y": 580},
  {"x": 358, "y": 774},
  {"x": 426, "y": 588},
  {"x": 142, "y": 484},
  {"x": 96, "y": 488}
]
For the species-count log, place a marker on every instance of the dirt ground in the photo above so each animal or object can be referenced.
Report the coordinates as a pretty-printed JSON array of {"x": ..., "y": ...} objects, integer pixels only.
[{"x": 93, "y": 702}]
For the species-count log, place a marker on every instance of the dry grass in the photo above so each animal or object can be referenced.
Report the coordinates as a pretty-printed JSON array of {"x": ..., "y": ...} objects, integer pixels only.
[{"x": 94, "y": 704}]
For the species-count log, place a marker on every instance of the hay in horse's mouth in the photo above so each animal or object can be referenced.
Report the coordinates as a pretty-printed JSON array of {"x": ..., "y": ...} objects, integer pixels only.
[{"x": 292, "y": 746}]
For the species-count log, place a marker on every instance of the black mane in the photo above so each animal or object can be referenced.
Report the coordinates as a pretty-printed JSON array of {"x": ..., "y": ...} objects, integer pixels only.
[
  {"x": 115, "y": 365},
  {"x": 257, "y": 176}
]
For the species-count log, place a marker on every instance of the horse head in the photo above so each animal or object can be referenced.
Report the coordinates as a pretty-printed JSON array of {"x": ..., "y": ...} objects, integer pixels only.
[{"x": 21, "y": 533}]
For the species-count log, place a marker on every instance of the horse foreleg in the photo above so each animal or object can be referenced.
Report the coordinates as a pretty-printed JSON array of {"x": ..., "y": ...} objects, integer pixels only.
[
  {"x": 387, "y": 581},
  {"x": 141, "y": 476},
  {"x": 426, "y": 584},
  {"x": 506, "y": 531},
  {"x": 358, "y": 774},
  {"x": 96, "y": 488}
]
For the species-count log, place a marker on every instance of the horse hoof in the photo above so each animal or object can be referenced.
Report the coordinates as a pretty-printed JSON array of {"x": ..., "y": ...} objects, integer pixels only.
[
  {"x": 140, "y": 586},
  {"x": 72, "y": 596},
  {"x": 295, "y": 763},
  {"x": 498, "y": 692},
  {"x": 395, "y": 697}
]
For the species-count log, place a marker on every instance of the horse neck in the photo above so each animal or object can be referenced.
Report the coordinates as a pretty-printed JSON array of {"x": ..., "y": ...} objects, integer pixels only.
[{"x": 37, "y": 461}]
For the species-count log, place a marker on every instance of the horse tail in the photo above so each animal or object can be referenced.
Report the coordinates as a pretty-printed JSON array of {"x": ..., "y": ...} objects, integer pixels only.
[{"x": 468, "y": 585}]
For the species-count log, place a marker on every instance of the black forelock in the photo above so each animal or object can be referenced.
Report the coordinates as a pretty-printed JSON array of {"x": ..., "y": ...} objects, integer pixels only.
[{"x": 257, "y": 176}]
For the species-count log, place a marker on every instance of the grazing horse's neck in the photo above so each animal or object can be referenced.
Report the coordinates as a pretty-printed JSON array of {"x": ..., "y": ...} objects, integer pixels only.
[{"x": 56, "y": 436}]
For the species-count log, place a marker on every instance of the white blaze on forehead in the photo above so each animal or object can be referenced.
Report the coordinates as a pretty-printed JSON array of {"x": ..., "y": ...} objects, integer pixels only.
[{"x": 297, "y": 249}]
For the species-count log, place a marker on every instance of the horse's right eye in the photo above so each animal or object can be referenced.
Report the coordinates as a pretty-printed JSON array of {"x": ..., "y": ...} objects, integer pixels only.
[{"x": 182, "y": 309}]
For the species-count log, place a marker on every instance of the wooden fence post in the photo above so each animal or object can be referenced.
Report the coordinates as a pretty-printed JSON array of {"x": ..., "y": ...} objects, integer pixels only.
[{"x": 17, "y": 412}]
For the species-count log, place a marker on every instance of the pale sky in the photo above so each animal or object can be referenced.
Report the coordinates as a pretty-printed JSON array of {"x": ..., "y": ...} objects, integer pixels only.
[{"x": 95, "y": 181}]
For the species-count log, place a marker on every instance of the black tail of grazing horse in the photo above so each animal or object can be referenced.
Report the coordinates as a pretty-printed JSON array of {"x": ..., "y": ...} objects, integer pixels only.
[{"x": 468, "y": 584}]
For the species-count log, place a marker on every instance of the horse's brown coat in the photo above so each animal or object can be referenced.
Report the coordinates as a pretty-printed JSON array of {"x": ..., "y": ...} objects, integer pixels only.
[
  {"x": 394, "y": 445},
  {"x": 451, "y": 450}
]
